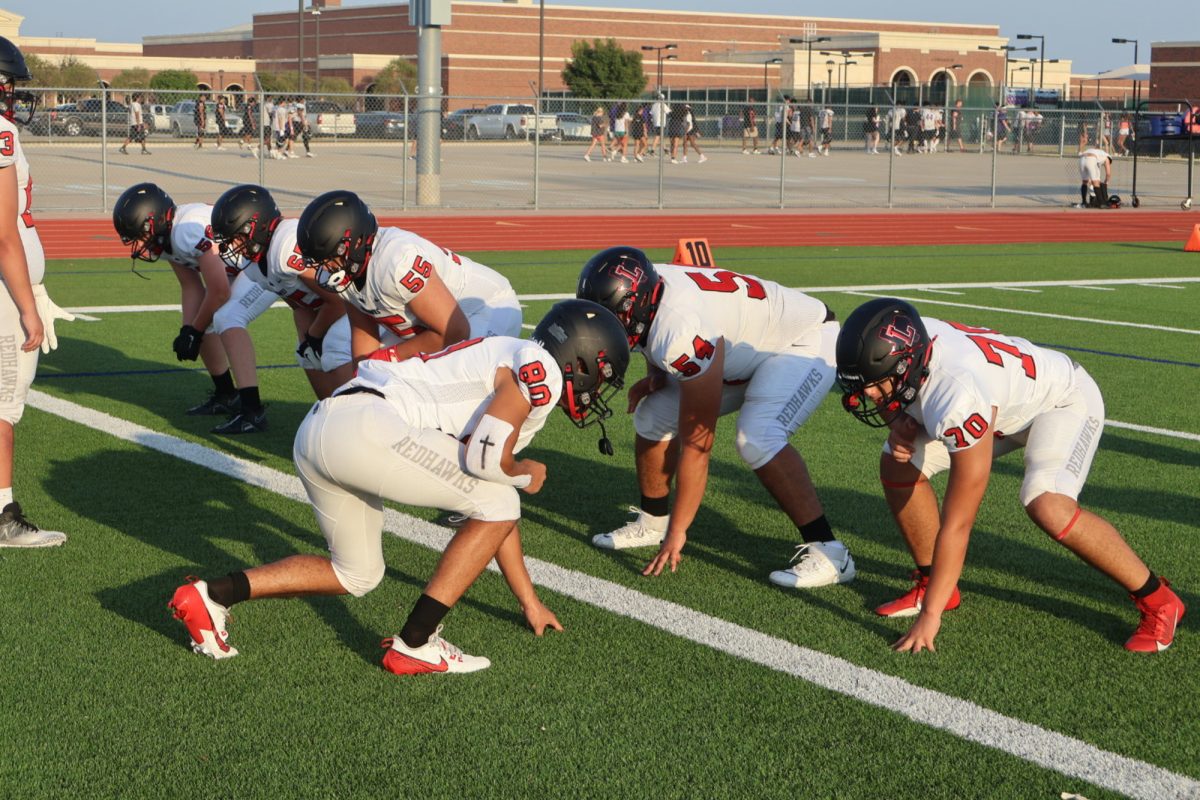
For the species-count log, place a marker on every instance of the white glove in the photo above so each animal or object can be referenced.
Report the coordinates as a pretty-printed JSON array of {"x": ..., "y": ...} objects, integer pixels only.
[{"x": 49, "y": 312}]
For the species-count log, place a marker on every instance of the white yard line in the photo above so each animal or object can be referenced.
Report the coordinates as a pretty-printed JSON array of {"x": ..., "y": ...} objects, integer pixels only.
[
  {"x": 1161, "y": 286},
  {"x": 1045, "y": 748},
  {"x": 1093, "y": 288},
  {"x": 1129, "y": 426},
  {"x": 1016, "y": 289}
]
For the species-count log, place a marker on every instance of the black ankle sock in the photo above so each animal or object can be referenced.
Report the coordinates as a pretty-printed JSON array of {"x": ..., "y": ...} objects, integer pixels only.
[
  {"x": 817, "y": 531},
  {"x": 233, "y": 588},
  {"x": 1148, "y": 588},
  {"x": 224, "y": 384},
  {"x": 926, "y": 570},
  {"x": 250, "y": 399},
  {"x": 427, "y": 613},
  {"x": 656, "y": 506},
  {"x": 1083, "y": 187}
]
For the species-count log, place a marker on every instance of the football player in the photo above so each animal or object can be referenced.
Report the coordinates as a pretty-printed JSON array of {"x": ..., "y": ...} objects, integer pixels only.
[
  {"x": 716, "y": 341},
  {"x": 954, "y": 397},
  {"x": 27, "y": 313},
  {"x": 1095, "y": 171},
  {"x": 425, "y": 296},
  {"x": 248, "y": 228},
  {"x": 147, "y": 219},
  {"x": 439, "y": 430}
]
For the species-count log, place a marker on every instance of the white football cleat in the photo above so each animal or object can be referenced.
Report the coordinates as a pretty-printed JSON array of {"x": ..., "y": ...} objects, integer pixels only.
[
  {"x": 436, "y": 655},
  {"x": 817, "y": 564},
  {"x": 643, "y": 530},
  {"x": 16, "y": 531}
]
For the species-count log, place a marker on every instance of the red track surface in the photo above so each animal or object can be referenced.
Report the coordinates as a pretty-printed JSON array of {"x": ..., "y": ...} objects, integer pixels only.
[{"x": 94, "y": 238}]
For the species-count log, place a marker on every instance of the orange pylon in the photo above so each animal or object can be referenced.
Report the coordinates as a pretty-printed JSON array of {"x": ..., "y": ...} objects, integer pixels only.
[{"x": 1193, "y": 242}]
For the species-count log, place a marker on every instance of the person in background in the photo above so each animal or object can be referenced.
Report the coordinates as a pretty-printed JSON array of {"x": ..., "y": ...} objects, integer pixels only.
[
  {"x": 783, "y": 116},
  {"x": 956, "y": 120},
  {"x": 637, "y": 131},
  {"x": 599, "y": 134},
  {"x": 690, "y": 134},
  {"x": 300, "y": 129},
  {"x": 137, "y": 126},
  {"x": 658, "y": 121},
  {"x": 749, "y": 130},
  {"x": 249, "y": 139},
  {"x": 1124, "y": 131},
  {"x": 621, "y": 133},
  {"x": 871, "y": 130},
  {"x": 826, "y": 125},
  {"x": 219, "y": 111},
  {"x": 200, "y": 119}
]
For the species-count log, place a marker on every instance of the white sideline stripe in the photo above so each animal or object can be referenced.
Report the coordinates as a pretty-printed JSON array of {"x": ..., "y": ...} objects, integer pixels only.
[
  {"x": 1035, "y": 313},
  {"x": 942, "y": 291},
  {"x": 1017, "y": 289},
  {"x": 1016, "y": 286},
  {"x": 1160, "y": 286},
  {"x": 1045, "y": 748},
  {"x": 1093, "y": 288},
  {"x": 86, "y": 317},
  {"x": 1195, "y": 437}
]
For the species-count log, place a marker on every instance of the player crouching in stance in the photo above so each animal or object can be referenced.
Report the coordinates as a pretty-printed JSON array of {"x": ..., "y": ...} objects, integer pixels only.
[
  {"x": 440, "y": 430},
  {"x": 213, "y": 300},
  {"x": 955, "y": 397},
  {"x": 717, "y": 341},
  {"x": 249, "y": 229}
]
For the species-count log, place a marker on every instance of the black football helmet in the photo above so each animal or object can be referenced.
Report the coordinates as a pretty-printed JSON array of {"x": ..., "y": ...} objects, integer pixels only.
[
  {"x": 624, "y": 281},
  {"x": 589, "y": 344},
  {"x": 335, "y": 236},
  {"x": 142, "y": 217},
  {"x": 14, "y": 105},
  {"x": 884, "y": 338},
  {"x": 243, "y": 221}
]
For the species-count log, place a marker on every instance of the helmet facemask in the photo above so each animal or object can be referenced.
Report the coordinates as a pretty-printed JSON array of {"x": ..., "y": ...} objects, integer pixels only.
[
  {"x": 905, "y": 377},
  {"x": 345, "y": 266},
  {"x": 153, "y": 240},
  {"x": 17, "y": 106},
  {"x": 586, "y": 406}
]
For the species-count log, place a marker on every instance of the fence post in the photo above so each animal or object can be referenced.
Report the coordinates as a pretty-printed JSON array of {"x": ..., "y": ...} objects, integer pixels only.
[
  {"x": 103, "y": 147},
  {"x": 261, "y": 134},
  {"x": 995, "y": 149},
  {"x": 537, "y": 139},
  {"x": 404, "y": 168},
  {"x": 1062, "y": 132}
]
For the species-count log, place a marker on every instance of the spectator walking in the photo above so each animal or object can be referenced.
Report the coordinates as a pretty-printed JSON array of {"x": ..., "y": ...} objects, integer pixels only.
[
  {"x": 795, "y": 136},
  {"x": 783, "y": 115},
  {"x": 691, "y": 133},
  {"x": 1104, "y": 132},
  {"x": 638, "y": 126},
  {"x": 279, "y": 125},
  {"x": 599, "y": 134},
  {"x": 929, "y": 140},
  {"x": 676, "y": 129},
  {"x": 137, "y": 126},
  {"x": 250, "y": 125},
  {"x": 749, "y": 130},
  {"x": 1124, "y": 133},
  {"x": 826, "y": 125},
  {"x": 219, "y": 112},
  {"x": 621, "y": 133},
  {"x": 300, "y": 128},
  {"x": 912, "y": 127},
  {"x": 658, "y": 121},
  {"x": 200, "y": 118},
  {"x": 871, "y": 130},
  {"x": 896, "y": 126},
  {"x": 956, "y": 126}
]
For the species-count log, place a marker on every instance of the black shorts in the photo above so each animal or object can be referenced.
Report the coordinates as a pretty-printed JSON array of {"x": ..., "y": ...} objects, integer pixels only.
[{"x": 137, "y": 133}]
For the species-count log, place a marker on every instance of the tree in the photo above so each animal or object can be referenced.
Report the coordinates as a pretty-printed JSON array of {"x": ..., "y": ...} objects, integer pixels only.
[
  {"x": 174, "y": 79},
  {"x": 398, "y": 77},
  {"x": 136, "y": 78},
  {"x": 44, "y": 72},
  {"x": 277, "y": 82},
  {"x": 74, "y": 73},
  {"x": 336, "y": 86},
  {"x": 603, "y": 70}
]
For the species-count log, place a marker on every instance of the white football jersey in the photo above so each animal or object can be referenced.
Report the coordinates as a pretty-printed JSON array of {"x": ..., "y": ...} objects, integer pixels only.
[
  {"x": 400, "y": 263},
  {"x": 973, "y": 369},
  {"x": 191, "y": 236},
  {"x": 280, "y": 268},
  {"x": 449, "y": 390},
  {"x": 11, "y": 155},
  {"x": 757, "y": 318}
]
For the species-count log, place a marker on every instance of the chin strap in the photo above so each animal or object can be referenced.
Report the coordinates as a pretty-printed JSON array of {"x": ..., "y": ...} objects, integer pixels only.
[{"x": 605, "y": 445}]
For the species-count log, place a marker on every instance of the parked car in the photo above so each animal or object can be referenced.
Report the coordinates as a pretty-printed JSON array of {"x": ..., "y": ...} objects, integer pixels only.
[
  {"x": 45, "y": 120},
  {"x": 183, "y": 120},
  {"x": 572, "y": 126},
  {"x": 83, "y": 118},
  {"x": 157, "y": 116},
  {"x": 326, "y": 118},
  {"x": 454, "y": 123},
  {"x": 509, "y": 121},
  {"x": 381, "y": 125}
]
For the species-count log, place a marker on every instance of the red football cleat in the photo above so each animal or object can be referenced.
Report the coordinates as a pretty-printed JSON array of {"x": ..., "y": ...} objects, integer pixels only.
[
  {"x": 910, "y": 604},
  {"x": 1161, "y": 612},
  {"x": 204, "y": 619},
  {"x": 436, "y": 655}
]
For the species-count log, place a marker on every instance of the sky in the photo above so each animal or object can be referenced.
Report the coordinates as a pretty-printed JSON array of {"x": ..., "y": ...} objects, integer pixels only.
[{"x": 1081, "y": 32}]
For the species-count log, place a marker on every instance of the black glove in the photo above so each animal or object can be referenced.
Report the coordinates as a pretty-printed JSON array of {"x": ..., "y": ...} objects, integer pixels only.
[
  {"x": 309, "y": 351},
  {"x": 187, "y": 343}
]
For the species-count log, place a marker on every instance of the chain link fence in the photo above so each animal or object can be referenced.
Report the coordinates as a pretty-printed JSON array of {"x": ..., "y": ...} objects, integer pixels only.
[{"x": 699, "y": 150}]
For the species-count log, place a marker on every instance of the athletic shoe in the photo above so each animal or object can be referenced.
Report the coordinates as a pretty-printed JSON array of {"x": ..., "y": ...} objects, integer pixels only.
[
  {"x": 756, "y": 152},
  {"x": 292, "y": 155},
  {"x": 243, "y": 423},
  {"x": 587, "y": 158},
  {"x": 16, "y": 531},
  {"x": 639, "y": 159},
  {"x": 310, "y": 154},
  {"x": 145, "y": 152},
  {"x": 811, "y": 154},
  {"x": 624, "y": 160},
  {"x": 220, "y": 147},
  {"x": 702, "y": 159},
  {"x": 817, "y": 564},
  {"x": 436, "y": 655},
  {"x": 1161, "y": 612},
  {"x": 673, "y": 161},
  {"x": 910, "y": 604},
  {"x": 123, "y": 150},
  {"x": 896, "y": 150},
  {"x": 745, "y": 152},
  {"x": 642, "y": 531},
  {"x": 217, "y": 406},
  {"x": 205, "y": 619},
  {"x": 683, "y": 160}
]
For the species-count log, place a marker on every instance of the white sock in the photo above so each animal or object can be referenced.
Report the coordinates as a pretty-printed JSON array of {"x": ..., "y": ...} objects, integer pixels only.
[{"x": 6, "y": 497}]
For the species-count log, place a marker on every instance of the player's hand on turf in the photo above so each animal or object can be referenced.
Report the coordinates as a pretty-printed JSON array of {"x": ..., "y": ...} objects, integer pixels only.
[
  {"x": 920, "y": 636},
  {"x": 539, "y": 618},
  {"x": 536, "y": 471},
  {"x": 49, "y": 311},
  {"x": 646, "y": 386},
  {"x": 668, "y": 554},
  {"x": 187, "y": 343},
  {"x": 34, "y": 333}
]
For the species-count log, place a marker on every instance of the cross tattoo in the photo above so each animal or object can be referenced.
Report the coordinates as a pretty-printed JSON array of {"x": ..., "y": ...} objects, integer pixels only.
[{"x": 484, "y": 443}]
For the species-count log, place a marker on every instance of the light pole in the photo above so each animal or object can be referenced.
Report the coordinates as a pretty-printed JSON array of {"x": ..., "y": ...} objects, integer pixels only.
[
  {"x": 317, "y": 14},
  {"x": 828, "y": 79},
  {"x": 1136, "y": 83},
  {"x": 1041, "y": 56},
  {"x": 300, "y": 47},
  {"x": 809, "y": 42},
  {"x": 1006, "y": 49},
  {"x": 766, "y": 86},
  {"x": 658, "y": 50}
]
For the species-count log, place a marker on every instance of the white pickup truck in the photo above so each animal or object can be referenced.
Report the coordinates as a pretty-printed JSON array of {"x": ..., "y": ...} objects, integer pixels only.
[{"x": 509, "y": 121}]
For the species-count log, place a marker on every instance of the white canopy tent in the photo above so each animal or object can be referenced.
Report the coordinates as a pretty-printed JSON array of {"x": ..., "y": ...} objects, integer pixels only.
[{"x": 1133, "y": 72}]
